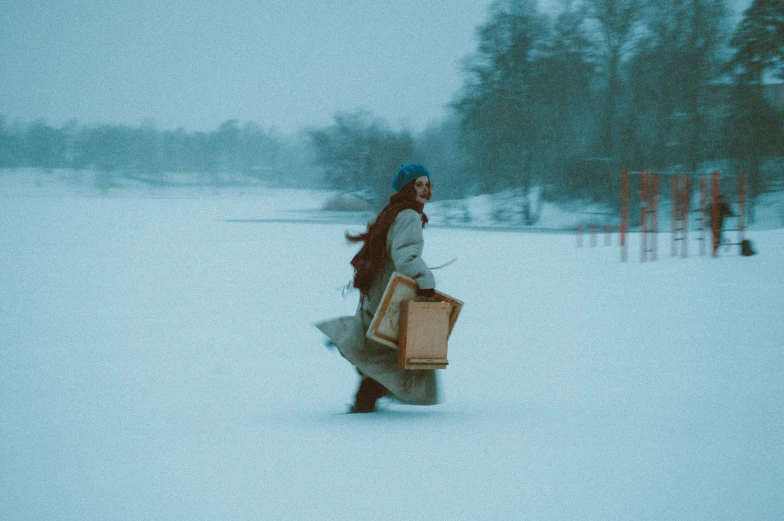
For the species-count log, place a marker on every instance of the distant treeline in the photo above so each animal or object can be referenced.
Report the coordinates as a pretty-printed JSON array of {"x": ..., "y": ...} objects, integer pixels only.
[
  {"x": 246, "y": 150},
  {"x": 562, "y": 103}
]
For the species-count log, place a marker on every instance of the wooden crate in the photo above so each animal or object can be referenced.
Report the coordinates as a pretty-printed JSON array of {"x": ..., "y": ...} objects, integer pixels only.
[{"x": 424, "y": 330}]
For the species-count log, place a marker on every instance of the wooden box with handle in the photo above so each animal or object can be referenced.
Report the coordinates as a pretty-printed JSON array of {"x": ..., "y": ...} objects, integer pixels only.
[{"x": 424, "y": 330}]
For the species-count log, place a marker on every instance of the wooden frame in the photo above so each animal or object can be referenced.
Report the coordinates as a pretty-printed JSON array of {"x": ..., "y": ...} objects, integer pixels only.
[{"x": 385, "y": 326}]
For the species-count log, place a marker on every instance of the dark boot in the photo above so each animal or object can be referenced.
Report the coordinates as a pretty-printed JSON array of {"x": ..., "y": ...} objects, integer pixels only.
[{"x": 367, "y": 395}]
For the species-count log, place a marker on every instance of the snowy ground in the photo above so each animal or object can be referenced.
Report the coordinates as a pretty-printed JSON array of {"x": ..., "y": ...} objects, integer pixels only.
[{"x": 158, "y": 362}]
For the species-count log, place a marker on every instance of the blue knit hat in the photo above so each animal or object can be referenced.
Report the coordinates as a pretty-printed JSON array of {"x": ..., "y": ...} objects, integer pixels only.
[{"x": 408, "y": 173}]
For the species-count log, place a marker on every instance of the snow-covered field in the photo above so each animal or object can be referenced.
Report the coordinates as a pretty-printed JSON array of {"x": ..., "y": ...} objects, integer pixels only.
[{"x": 158, "y": 362}]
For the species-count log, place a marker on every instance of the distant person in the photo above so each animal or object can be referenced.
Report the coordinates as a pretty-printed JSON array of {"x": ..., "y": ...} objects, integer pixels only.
[
  {"x": 392, "y": 242},
  {"x": 719, "y": 210}
]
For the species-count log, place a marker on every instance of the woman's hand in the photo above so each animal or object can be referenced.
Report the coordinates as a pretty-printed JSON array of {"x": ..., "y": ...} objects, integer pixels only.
[{"x": 426, "y": 295}]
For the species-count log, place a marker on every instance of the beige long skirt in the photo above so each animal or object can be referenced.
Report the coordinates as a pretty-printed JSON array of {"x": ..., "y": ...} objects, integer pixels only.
[{"x": 416, "y": 387}]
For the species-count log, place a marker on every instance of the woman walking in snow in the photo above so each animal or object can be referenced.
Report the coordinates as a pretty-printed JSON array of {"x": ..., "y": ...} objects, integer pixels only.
[{"x": 392, "y": 242}]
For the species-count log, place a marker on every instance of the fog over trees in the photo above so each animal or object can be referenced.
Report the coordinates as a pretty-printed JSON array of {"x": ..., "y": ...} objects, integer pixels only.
[{"x": 559, "y": 103}]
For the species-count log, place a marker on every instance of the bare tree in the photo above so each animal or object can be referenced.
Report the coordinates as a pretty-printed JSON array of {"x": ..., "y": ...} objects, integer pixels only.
[
  {"x": 360, "y": 153},
  {"x": 758, "y": 45},
  {"x": 615, "y": 23},
  {"x": 497, "y": 103},
  {"x": 668, "y": 76}
]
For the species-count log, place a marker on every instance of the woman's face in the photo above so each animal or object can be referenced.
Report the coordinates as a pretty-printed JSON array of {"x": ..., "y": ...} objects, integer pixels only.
[{"x": 422, "y": 185}]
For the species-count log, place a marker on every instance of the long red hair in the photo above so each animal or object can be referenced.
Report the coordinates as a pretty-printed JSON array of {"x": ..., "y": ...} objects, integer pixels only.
[{"x": 370, "y": 258}]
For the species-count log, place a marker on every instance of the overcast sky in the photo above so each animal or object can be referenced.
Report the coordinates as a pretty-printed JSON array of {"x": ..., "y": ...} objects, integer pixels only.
[{"x": 194, "y": 64}]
